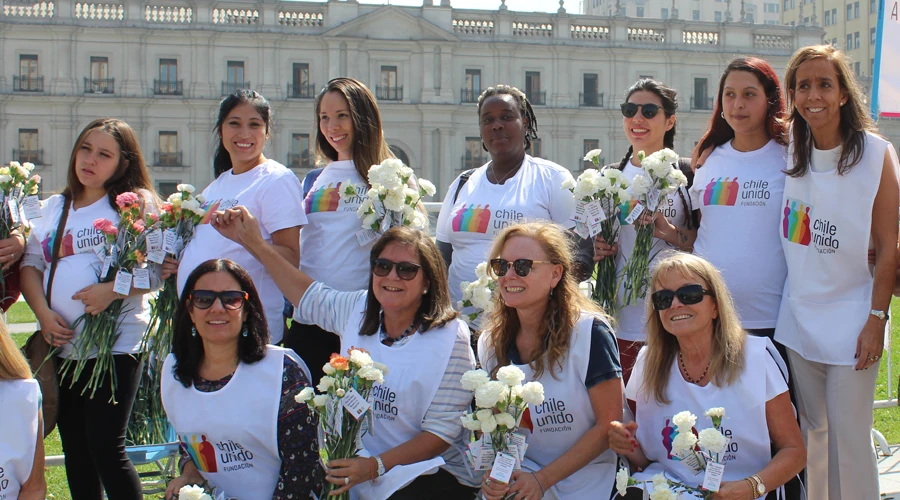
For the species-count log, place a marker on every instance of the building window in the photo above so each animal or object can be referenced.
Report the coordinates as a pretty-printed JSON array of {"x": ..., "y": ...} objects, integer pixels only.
[
  {"x": 168, "y": 154},
  {"x": 856, "y": 10},
  {"x": 299, "y": 156},
  {"x": 389, "y": 90},
  {"x": 696, "y": 15},
  {"x": 834, "y": 18},
  {"x": 872, "y": 35},
  {"x": 300, "y": 87},
  {"x": 234, "y": 78},
  {"x": 856, "y": 40},
  {"x": 750, "y": 18},
  {"x": 640, "y": 12},
  {"x": 28, "y": 79},
  {"x": 99, "y": 81},
  {"x": 834, "y": 42},
  {"x": 701, "y": 94},
  {"x": 29, "y": 147},
  {"x": 535, "y": 150},
  {"x": 849, "y": 12},
  {"x": 856, "y": 67},
  {"x": 849, "y": 41},
  {"x": 591, "y": 96},
  {"x": 873, "y": 6},
  {"x": 718, "y": 16},
  {"x": 664, "y": 13},
  {"x": 590, "y": 145},
  {"x": 872, "y": 66},
  {"x": 472, "y": 86},
  {"x": 533, "y": 88},
  {"x": 827, "y": 18},
  {"x": 168, "y": 83},
  {"x": 787, "y": 4},
  {"x": 474, "y": 155},
  {"x": 167, "y": 188}
]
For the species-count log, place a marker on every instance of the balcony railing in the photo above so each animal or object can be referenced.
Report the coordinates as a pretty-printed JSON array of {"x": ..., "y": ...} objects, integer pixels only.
[
  {"x": 299, "y": 160},
  {"x": 590, "y": 99},
  {"x": 35, "y": 156},
  {"x": 168, "y": 87},
  {"x": 389, "y": 93},
  {"x": 301, "y": 91},
  {"x": 26, "y": 84},
  {"x": 469, "y": 95},
  {"x": 537, "y": 97},
  {"x": 469, "y": 162},
  {"x": 229, "y": 88},
  {"x": 167, "y": 158},
  {"x": 701, "y": 102},
  {"x": 99, "y": 85}
]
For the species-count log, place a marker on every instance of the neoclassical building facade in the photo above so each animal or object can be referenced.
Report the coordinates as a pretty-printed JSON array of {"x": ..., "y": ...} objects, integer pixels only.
[{"x": 163, "y": 66}]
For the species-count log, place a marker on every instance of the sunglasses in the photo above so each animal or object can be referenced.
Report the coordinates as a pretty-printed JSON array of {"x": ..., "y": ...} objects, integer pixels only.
[
  {"x": 405, "y": 270},
  {"x": 521, "y": 266},
  {"x": 649, "y": 110},
  {"x": 231, "y": 299},
  {"x": 687, "y": 295}
]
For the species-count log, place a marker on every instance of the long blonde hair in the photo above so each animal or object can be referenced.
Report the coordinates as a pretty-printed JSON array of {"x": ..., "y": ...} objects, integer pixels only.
[
  {"x": 727, "y": 362},
  {"x": 564, "y": 305},
  {"x": 13, "y": 365}
]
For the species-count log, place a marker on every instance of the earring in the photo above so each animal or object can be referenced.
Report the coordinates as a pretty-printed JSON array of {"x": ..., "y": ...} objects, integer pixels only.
[
  {"x": 845, "y": 102},
  {"x": 193, "y": 331},
  {"x": 723, "y": 114},
  {"x": 245, "y": 332},
  {"x": 551, "y": 292},
  {"x": 425, "y": 292}
]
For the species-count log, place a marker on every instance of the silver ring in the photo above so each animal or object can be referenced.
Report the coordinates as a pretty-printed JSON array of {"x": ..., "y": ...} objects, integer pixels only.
[
  {"x": 876, "y": 358},
  {"x": 487, "y": 481},
  {"x": 346, "y": 480},
  {"x": 869, "y": 358}
]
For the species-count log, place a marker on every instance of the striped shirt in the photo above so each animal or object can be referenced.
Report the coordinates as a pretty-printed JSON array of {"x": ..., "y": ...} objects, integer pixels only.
[{"x": 330, "y": 309}]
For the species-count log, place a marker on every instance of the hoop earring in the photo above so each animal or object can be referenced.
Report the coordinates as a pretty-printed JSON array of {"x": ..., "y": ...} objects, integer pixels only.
[
  {"x": 245, "y": 333},
  {"x": 722, "y": 114},
  {"x": 193, "y": 331}
]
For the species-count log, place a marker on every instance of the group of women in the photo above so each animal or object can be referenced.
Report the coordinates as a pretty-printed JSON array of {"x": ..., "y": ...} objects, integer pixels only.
[{"x": 768, "y": 269}]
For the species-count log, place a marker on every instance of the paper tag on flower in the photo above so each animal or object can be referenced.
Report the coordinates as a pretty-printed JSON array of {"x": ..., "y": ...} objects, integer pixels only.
[
  {"x": 13, "y": 210},
  {"x": 107, "y": 262},
  {"x": 142, "y": 278},
  {"x": 713, "y": 478},
  {"x": 484, "y": 458},
  {"x": 123, "y": 282},
  {"x": 386, "y": 223},
  {"x": 154, "y": 241},
  {"x": 365, "y": 236},
  {"x": 157, "y": 256},
  {"x": 518, "y": 440},
  {"x": 595, "y": 214},
  {"x": 355, "y": 404},
  {"x": 31, "y": 206},
  {"x": 179, "y": 245},
  {"x": 694, "y": 462},
  {"x": 582, "y": 230},
  {"x": 579, "y": 212},
  {"x": 653, "y": 197},
  {"x": 100, "y": 251},
  {"x": 169, "y": 239},
  {"x": 635, "y": 213},
  {"x": 504, "y": 465}
]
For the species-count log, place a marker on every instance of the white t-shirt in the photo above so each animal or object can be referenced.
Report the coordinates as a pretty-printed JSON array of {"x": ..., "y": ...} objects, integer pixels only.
[
  {"x": 272, "y": 194},
  {"x": 79, "y": 267},
  {"x": 329, "y": 250},
  {"x": 19, "y": 431},
  {"x": 739, "y": 198},
  {"x": 483, "y": 209}
]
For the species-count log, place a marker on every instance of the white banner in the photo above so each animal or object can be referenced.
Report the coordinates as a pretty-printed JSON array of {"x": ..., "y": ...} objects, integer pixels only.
[{"x": 887, "y": 70}]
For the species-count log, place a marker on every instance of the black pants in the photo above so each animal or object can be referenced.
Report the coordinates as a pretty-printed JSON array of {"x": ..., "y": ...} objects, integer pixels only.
[
  {"x": 313, "y": 344},
  {"x": 438, "y": 486},
  {"x": 93, "y": 434}
]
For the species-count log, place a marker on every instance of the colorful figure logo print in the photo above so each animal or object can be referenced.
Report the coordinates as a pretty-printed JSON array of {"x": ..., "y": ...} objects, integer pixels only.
[
  {"x": 795, "y": 224},
  {"x": 202, "y": 452},
  {"x": 67, "y": 248},
  {"x": 324, "y": 199},
  {"x": 721, "y": 192},
  {"x": 668, "y": 435},
  {"x": 210, "y": 207},
  {"x": 525, "y": 422},
  {"x": 625, "y": 209},
  {"x": 472, "y": 219}
]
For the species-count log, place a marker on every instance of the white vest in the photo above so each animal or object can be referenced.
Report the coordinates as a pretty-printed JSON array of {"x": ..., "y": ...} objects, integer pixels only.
[
  {"x": 745, "y": 418},
  {"x": 826, "y": 229},
  {"x": 415, "y": 370},
  {"x": 563, "y": 419},
  {"x": 19, "y": 407},
  {"x": 231, "y": 434}
]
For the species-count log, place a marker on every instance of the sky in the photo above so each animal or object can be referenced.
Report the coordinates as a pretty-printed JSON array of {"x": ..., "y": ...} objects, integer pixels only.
[{"x": 572, "y": 6}]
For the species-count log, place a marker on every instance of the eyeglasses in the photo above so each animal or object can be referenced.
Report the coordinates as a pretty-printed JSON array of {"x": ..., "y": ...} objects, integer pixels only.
[
  {"x": 521, "y": 266},
  {"x": 231, "y": 299},
  {"x": 687, "y": 295},
  {"x": 405, "y": 270},
  {"x": 649, "y": 110}
]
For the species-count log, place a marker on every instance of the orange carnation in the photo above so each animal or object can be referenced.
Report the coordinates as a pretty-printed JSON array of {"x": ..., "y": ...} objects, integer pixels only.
[{"x": 339, "y": 362}]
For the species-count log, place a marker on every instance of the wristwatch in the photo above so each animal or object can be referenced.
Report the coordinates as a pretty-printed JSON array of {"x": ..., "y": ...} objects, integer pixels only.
[
  {"x": 760, "y": 487},
  {"x": 380, "y": 466},
  {"x": 882, "y": 315}
]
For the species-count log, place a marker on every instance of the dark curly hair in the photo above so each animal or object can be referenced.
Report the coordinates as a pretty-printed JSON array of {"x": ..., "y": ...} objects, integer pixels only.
[{"x": 525, "y": 109}]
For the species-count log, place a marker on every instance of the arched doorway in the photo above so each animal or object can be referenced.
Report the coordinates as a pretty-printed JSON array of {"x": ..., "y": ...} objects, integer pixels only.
[{"x": 401, "y": 155}]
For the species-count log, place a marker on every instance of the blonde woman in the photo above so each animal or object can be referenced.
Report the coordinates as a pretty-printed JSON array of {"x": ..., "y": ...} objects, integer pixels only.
[
  {"x": 543, "y": 325},
  {"x": 698, "y": 357},
  {"x": 21, "y": 426}
]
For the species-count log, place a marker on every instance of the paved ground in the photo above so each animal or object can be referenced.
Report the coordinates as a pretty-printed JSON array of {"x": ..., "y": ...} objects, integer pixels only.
[{"x": 889, "y": 478}]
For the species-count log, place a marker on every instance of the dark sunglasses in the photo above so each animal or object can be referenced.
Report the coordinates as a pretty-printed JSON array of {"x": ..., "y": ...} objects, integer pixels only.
[
  {"x": 649, "y": 110},
  {"x": 231, "y": 299},
  {"x": 405, "y": 270},
  {"x": 687, "y": 295},
  {"x": 521, "y": 266}
]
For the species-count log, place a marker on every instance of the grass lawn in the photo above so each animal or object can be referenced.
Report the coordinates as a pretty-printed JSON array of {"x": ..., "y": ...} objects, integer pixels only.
[
  {"x": 20, "y": 313},
  {"x": 886, "y": 420}
]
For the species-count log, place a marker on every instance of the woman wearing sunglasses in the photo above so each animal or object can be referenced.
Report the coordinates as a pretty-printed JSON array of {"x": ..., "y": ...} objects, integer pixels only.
[
  {"x": 698, "y": 357},
  {"x": 545, "y": 326},
  {"x": 406, "y": 321},
  {"x": 230, "y": 396},
  {"x": 649, "y": 123}
]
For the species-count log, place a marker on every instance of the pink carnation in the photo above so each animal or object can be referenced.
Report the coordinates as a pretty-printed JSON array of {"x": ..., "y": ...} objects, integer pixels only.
[
  {"x": 153, "y": 217},
  {"x": 103, "y": 225},
  {"x": 36, "y": 178},
  {"x": 138, "y": 226},
  {"x": 126, "y": 199}
]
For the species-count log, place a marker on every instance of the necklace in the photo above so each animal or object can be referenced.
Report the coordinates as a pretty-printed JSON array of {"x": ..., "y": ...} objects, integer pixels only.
[
  {"x": 500, "y": 181},
  {"x": 688, "y": 375},
  {"x": 387, "y": 340}
]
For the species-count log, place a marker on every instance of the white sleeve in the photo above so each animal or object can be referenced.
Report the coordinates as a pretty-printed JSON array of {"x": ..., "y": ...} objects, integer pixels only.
[
  {"x": 327, "y": 307},
  {"x": 697, "y": 189},
  {"x": 281, "y": 202},
  {"x": 637, "y": 376},
  {"x": 562, "y": 203},
  {"x": 775, "y": 379},
  {"x": 442, "y": 230}
]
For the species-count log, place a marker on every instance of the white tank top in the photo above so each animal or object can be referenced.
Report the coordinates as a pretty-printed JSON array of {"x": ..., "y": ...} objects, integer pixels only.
[
  {"x": 19, "y": 407},
  {"x": 231, "y": 434},
  {"x": 826, "y": 233}
]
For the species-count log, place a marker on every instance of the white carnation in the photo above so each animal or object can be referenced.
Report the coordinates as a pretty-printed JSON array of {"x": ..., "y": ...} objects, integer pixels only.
[
  {"x": 601, "y": 184},
  {"x": 473, "y": 379},
  {"x": 663, "y": 494},
  {"x": 684, "y": 421},
  {"x": 419, "y": 220},
  {"x": 592, "y": 155},
  {"x": 175, "y": 199},
  {"x": 712, "y": 440},
  {"x": 533, "y": 393},
  {"x": 668, "y": 155},
  {"x": 192, "y": 492},
  {"x": 717, "y": 412},
  {"x": 622, "y": 482},
  {"x": 187, "y": 188},
  {"x": 22, "y": 171},
  {"x": 623, "y": 194},
  {"x": 427, "y": 187},
  {"x": 660, "y": 482},
  {"x": 488, "y": 425},
  {"x": 641, "y": 185},
  {"x": 370, "y": 220},
  {"x": 568, "y": 184},
  {"x": 360, "y": 358},
  {"x": 676, "y": 178},
  {"x": 510, "y": 375},
  {"x": 328, "y": 369},
  {"x": 5, "y": 178},
  {"x": 683, "y": 443},
  {"x": 339, "y": 393},
  {"x": 381, "y": 367},
  {"x": 482, "y": 297},
  {"x": 583, "y": 189},
  {"x": 505, "y": 420},
  {"x": 372, "y": 374},
  {"x": 14, "y": 164},
  {"x": 395, "y": 200},
  {"x": 28, "y": 166},
  {"x": 489, "y": 394},
  {"x": 470, "y": 423},
  {"x": 191, "y": 205},
  {"x": 325, "y": 383},
  {"x": 321, "y": 400},
  {"x": 305, "y": 395},
  {"x": 481, "y": 270},
  {"x": 200, "y": 198}
]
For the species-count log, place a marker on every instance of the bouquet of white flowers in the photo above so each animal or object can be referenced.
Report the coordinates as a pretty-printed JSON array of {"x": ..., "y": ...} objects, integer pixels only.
[
  {"x": 499, "y": 405},
  {"x": 391, "y": 201},
  {"x": 199, "y": 492},
  {"x": 18, "y": 190},
  {"x": 597, "y": 199},
  {"x": 700, "y": 452},
  {"x": 478, "y": 294},
  {"x": 345, "y": 388},
  {"x": 660, "y": 178}
]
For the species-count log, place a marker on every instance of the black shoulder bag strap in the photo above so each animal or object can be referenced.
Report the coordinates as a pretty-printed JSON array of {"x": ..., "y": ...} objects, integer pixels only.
[
  {"x": 463, "y": 179},
  {"x": 57, "y": 243}
]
